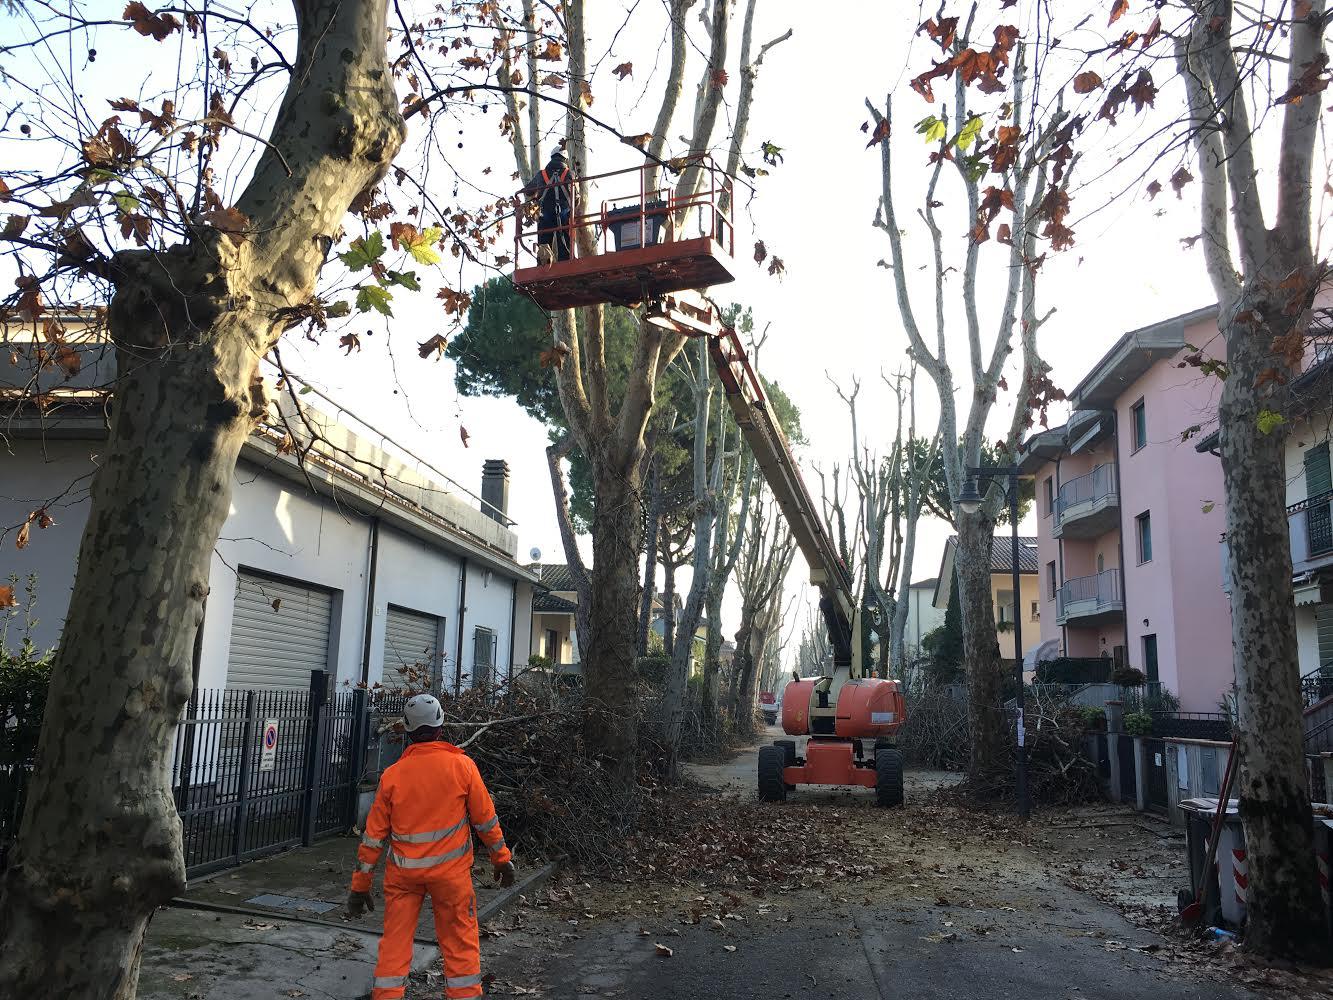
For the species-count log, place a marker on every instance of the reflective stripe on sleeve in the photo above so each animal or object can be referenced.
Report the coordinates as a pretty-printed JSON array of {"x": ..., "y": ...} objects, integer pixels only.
[
  {"x": 488, "y": 825},
  {"x": 432, "y": 860},
  {"x": 388, "y": 982},
  {"x": 368, "y": 841},
  {"x": 430, "y": 836},
  {"x": 364, "y": 868},
  {"x": 458, "y": 982},
  {"x": 497, "y": 847}
]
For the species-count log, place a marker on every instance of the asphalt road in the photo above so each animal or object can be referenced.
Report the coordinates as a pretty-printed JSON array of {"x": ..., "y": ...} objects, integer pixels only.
[
  {"x": 1027, "y": 937},
  {"x": 1077, "y": 950}
]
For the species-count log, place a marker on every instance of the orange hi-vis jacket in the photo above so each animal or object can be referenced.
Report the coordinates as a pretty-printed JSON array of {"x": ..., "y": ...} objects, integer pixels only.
[{"x": 425, "y": 810}]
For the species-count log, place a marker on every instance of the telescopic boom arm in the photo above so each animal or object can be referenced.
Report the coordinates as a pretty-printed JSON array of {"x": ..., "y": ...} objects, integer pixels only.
[{"x": 745, "y": 394}]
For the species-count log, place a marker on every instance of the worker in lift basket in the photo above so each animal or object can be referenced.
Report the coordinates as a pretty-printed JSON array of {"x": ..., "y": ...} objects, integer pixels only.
[
  {"x": 554, "y": 189},
  {"x": 426, "y": 809}
]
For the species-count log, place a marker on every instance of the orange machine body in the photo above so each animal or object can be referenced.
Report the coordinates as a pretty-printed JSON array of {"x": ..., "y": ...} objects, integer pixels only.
[
  {"x": 870, "y": 707},
  {"x": 867, "y": 708},
  {"x": 796, "y": 698}
]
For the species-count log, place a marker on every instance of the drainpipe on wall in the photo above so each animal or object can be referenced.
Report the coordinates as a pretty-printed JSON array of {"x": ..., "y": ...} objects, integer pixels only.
[
  {"x": 370, "y": 598},
  {"x": 462, "y": 613},
  {"x": 513, "y": 626}
]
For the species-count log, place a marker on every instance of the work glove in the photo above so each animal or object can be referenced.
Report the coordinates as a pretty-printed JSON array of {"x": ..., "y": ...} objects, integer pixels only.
[
  {"x": 504, "y": 874},
  {"x": 359, "y": 903}
]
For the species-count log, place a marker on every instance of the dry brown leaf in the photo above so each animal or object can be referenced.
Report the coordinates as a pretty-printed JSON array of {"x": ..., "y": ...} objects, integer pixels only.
[{"x": 663, "y": 951}]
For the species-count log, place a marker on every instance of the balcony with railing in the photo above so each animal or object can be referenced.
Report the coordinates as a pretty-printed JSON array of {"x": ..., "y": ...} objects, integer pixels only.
[
  {"x": 1090, "y": 600},
  {"x": 1088, "y": 506},
  {"x": 1310, "y": 524}
]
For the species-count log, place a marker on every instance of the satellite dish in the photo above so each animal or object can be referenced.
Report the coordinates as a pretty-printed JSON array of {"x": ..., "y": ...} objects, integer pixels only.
[{"x": 535, "y": 554}]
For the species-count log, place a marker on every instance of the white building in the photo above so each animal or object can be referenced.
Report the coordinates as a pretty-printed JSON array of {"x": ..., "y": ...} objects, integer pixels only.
[
  {"x": 386, "y": 563},
  {"x": 922, "y": 615}
]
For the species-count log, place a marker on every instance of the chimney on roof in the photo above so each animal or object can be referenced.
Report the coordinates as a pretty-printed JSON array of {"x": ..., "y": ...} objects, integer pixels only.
[{"x": 495, "y": 489}]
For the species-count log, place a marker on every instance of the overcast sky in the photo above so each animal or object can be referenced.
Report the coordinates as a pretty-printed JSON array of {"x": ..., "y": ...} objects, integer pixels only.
[{"x": 833, "y": 314}]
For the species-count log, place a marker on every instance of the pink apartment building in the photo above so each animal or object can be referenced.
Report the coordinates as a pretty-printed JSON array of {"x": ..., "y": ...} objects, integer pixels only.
[{"x": 1129, "y": 516}]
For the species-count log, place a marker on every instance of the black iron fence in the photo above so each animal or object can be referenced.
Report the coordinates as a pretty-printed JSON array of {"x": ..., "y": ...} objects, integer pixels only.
[
  {"x": 1192, "y": 725},
  {"x": 1317, "y": 685},
  {"x": 252, "y": 772},
  {"x": 257, "y": 771}
]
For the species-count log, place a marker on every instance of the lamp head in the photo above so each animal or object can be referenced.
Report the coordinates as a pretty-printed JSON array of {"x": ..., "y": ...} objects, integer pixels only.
[{"x": 969, "y": 500}]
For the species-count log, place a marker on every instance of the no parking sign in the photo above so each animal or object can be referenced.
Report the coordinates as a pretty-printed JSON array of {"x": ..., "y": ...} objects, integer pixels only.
[{"x": 268, "y": 751}]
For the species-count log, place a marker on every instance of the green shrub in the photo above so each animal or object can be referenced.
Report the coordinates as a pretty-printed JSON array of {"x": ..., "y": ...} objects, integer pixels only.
[
  {"x": 1149, "y": 700},
  {"x": 1138, "y": 724},
  {"x": 653, "y": 669},
  {"x": 25, "y": 674},
  {"x": 1092, "y": 716},
  {"x": 1128, "y": 677},
  {"x": 539, "y": 662}
]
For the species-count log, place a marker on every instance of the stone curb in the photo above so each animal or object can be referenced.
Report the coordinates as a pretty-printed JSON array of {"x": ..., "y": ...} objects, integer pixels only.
[
  {"x": 487, "y": 912},
  {"x": 530, "y": 884}
]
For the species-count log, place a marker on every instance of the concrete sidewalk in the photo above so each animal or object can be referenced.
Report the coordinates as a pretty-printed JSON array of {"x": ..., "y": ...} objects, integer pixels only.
[
  {"x": 275, "y": 928},
  {"x": 201, "y": 955}
]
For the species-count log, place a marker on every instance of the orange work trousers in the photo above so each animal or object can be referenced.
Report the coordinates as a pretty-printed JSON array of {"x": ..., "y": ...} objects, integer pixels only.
[{"x": 455, "y": 906}]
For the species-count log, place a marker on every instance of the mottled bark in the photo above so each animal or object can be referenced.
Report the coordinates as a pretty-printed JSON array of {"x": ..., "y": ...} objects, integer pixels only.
[
  {"x": 668, "y": 601},
  {"x": 706, "y": 490},
  {"x": 1283, "y": 904},
  {"x": 610, "y": 679},
  {"x": 654, "y": 525},
  {"x": 100, "y": 844},
  {"x": 981, "y": 649}
]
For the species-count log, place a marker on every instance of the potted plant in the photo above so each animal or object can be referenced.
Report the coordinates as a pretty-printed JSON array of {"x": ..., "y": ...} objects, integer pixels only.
[{"x": 1138, "y": 724}]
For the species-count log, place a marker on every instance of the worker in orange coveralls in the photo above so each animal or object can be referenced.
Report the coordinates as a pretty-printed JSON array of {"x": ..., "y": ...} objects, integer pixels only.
[{"x": 425, "y": 811}]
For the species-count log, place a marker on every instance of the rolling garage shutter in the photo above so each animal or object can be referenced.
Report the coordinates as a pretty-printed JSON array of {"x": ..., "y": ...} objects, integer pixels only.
[
  {"x": 277, "y": 647},
  {"x": 410, "y": 638}
]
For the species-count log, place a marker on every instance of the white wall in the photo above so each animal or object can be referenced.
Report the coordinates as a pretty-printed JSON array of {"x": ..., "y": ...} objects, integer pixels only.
[
  {"x": 308, "y": 539},
  {"x": 489, "y": 605},
  {"x": 31, "y": 474},
  {"x": 275, "y": 528},
  {"x": 418, "y": 578},
  {"x": 922, "y": 616},
  {"x": 1307, "y": 639}
]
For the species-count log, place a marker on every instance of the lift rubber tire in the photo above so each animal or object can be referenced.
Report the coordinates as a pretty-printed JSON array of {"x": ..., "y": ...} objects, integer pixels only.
[
  {"x": 888, "y": 777},
  {"x": 885, "y": 743},
  {"x": 789, "y": 748},
  {"x": 771, "y": 786}
]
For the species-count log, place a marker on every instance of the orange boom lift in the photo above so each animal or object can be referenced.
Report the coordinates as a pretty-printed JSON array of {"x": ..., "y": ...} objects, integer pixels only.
[{"x": 648, "y": 255}]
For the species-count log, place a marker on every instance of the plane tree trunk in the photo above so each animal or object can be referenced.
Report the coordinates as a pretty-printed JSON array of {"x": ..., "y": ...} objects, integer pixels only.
[
  {"x": 981, "y": 648},
  {"x": 100, "y": 844},
  {"x": 610, "y": 722}
]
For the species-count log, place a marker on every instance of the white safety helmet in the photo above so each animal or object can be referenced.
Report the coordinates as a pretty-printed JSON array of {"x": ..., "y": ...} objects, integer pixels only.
[{"x": 422, "y": 710}]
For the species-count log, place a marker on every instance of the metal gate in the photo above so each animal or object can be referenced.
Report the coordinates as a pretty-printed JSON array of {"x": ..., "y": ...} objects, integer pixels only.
[
  {"x": 260, "y": 770},
  {"x": 1154, "y": 764},
  {"x": 1128, "y": 780}
]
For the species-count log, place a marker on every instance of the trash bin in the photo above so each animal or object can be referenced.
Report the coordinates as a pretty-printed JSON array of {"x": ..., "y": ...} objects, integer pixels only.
[
  {"x": 623, "y": 224},
  {"x": 1227, "y": 886}
]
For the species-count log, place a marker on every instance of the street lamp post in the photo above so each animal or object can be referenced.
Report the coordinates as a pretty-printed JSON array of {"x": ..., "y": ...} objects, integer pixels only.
[{"x": 969, "y": 502}]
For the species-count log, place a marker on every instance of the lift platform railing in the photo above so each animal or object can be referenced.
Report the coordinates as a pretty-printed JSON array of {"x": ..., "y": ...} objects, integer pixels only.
[{"x": 652, "y": 216}]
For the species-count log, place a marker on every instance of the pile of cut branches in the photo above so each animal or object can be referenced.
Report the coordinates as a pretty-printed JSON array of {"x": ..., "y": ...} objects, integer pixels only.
[
  {"x": 935, "y": 733},
  {"x": 554, "y": 799},
  {"x": 1060, "y": 772}
]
